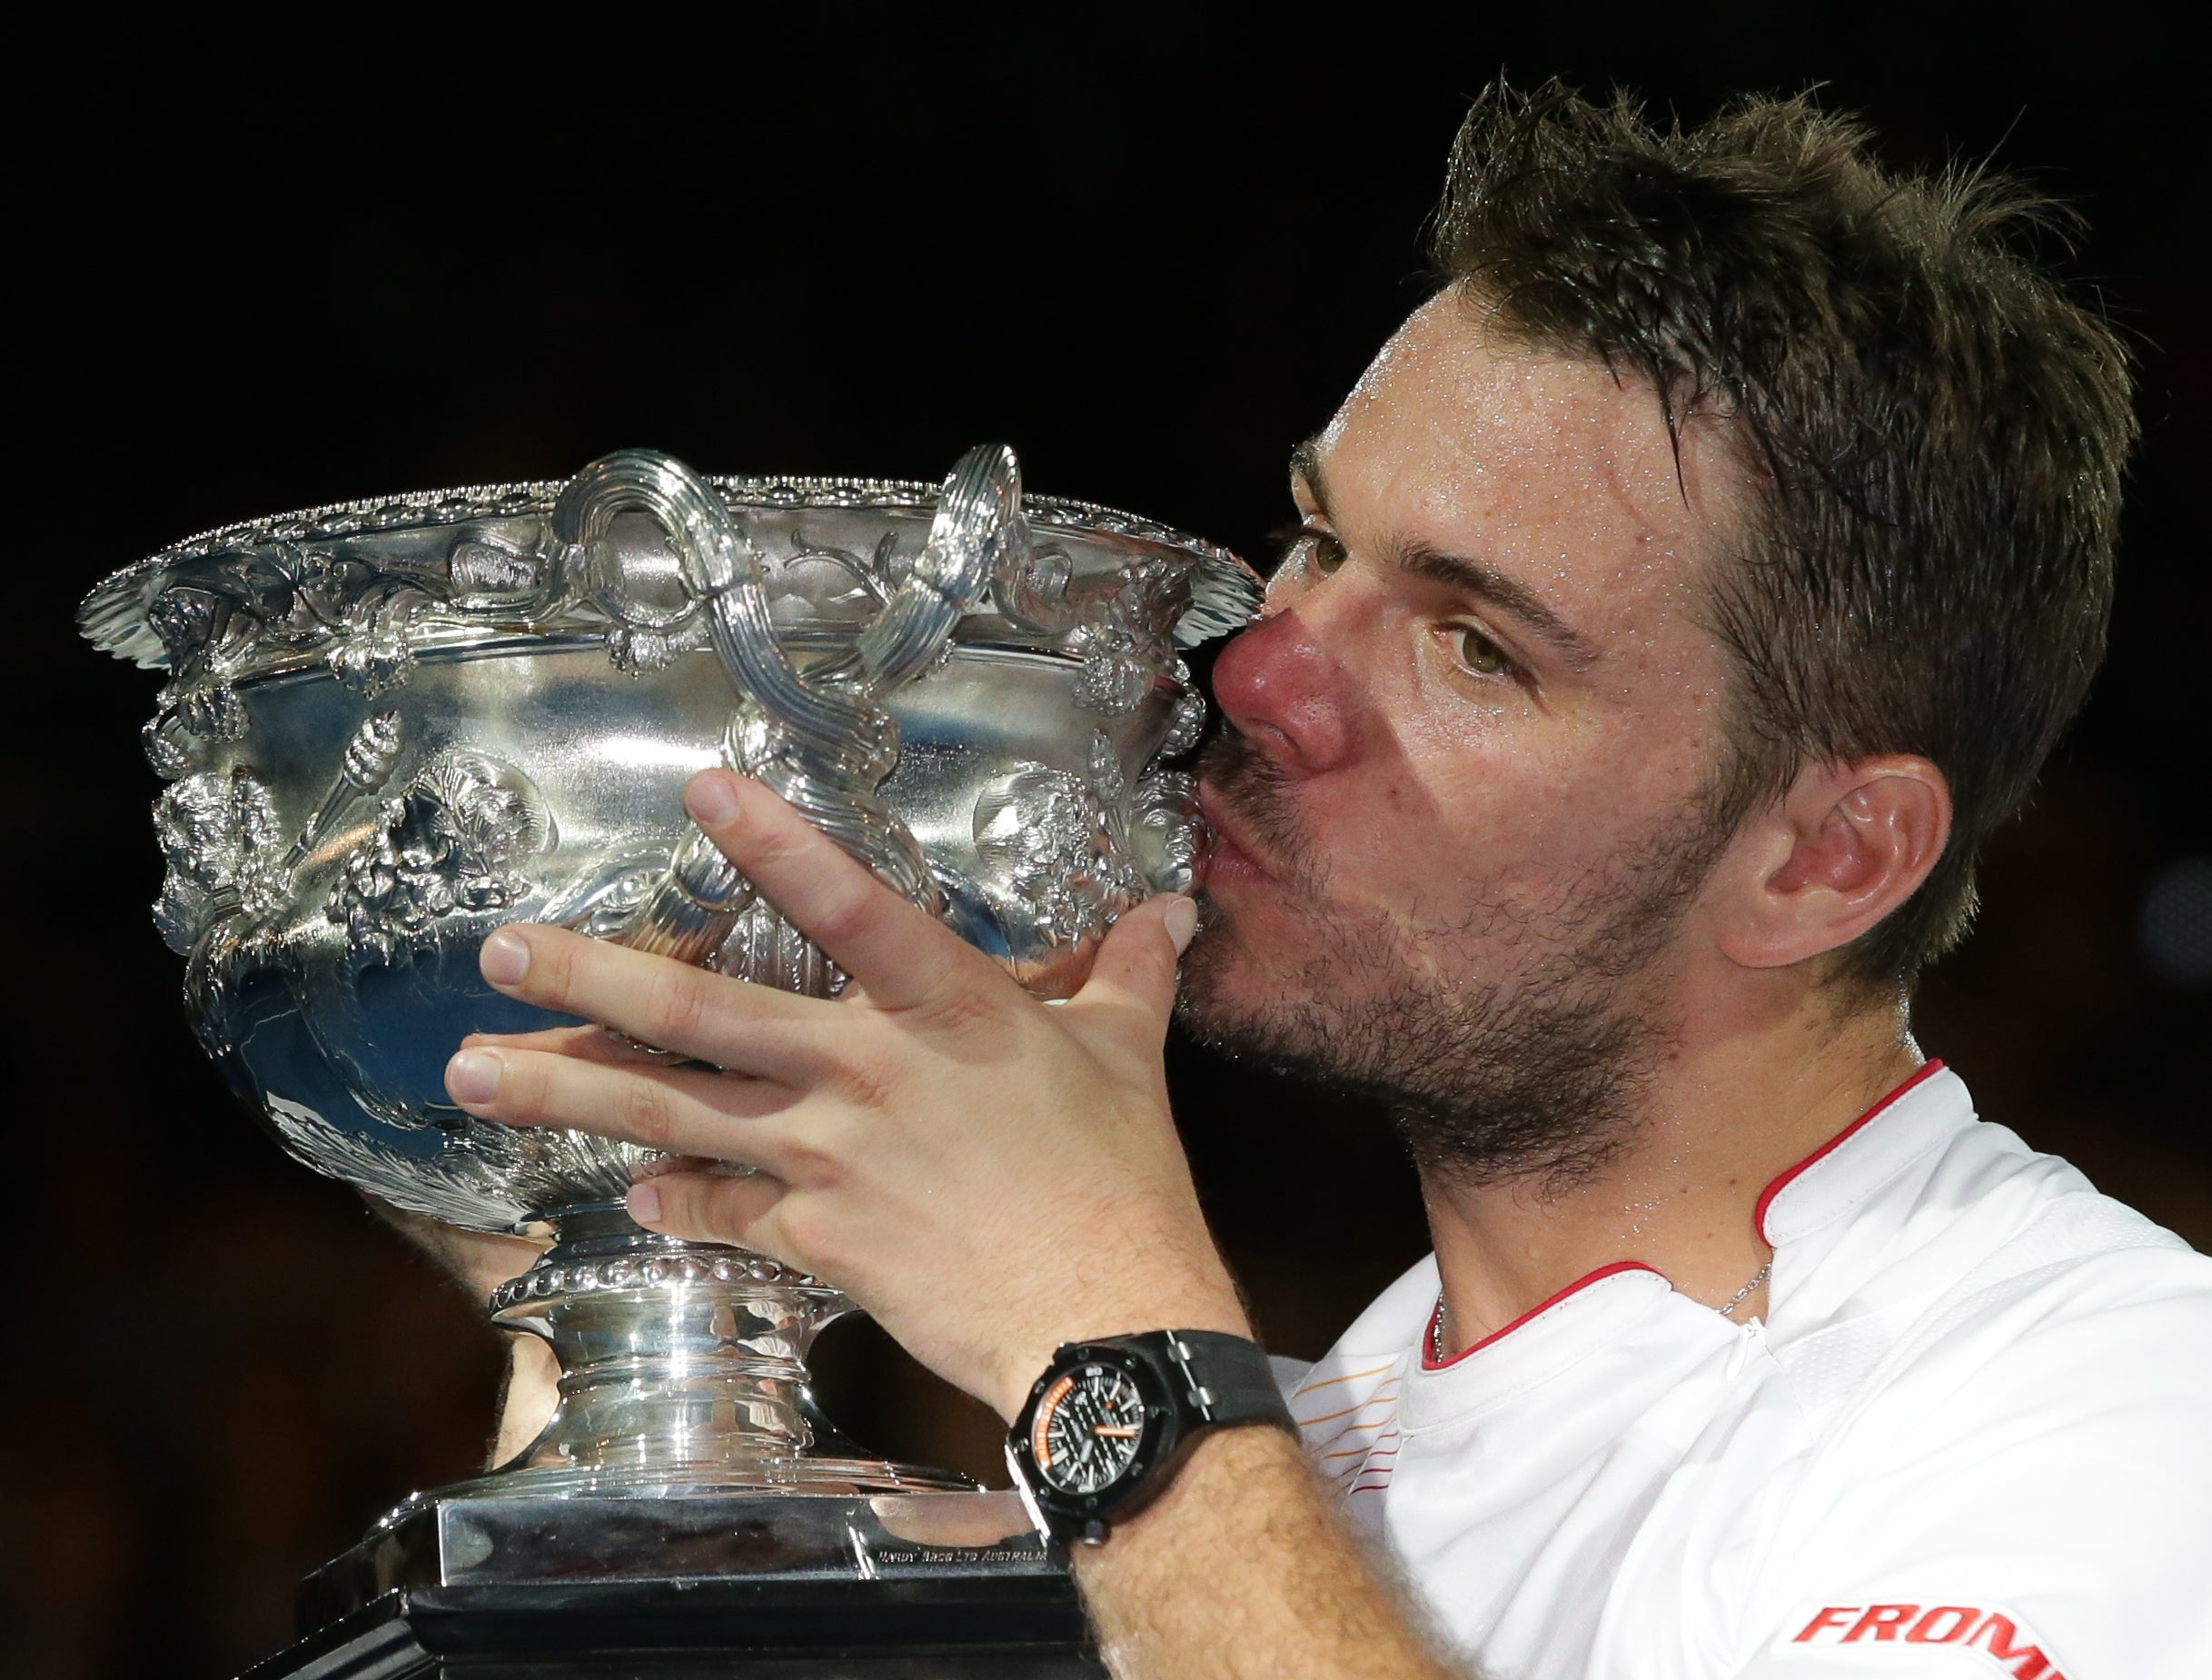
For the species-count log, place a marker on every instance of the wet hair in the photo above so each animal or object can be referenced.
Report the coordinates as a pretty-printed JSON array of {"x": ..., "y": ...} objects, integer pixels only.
[{"x": 1930, "y": 430}]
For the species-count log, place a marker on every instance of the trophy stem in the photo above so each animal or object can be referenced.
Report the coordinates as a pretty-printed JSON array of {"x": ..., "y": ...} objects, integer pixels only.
[{"x": 682, "y": 1365}]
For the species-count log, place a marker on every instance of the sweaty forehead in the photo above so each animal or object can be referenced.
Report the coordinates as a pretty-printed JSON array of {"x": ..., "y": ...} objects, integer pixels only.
[{"x": 1475, "y": 444}]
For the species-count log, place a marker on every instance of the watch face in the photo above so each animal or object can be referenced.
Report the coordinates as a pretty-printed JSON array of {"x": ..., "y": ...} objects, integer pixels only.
[{"x": 1087, "y": 1429}]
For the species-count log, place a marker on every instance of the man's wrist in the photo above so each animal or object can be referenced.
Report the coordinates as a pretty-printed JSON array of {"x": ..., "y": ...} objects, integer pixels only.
[{"x": 1197, "y": 1310}]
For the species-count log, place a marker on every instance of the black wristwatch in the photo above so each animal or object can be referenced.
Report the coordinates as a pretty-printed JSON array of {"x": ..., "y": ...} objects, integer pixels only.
[{"x": 1108, "y": 1423}]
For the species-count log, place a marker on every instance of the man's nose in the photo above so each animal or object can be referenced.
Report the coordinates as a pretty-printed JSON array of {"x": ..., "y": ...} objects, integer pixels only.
[{"x": 1285, "y": 694}]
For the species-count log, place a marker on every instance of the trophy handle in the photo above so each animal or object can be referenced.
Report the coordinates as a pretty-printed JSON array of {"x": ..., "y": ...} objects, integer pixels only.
[
  {"x": 823, "y": 740},
  {"x": 979, "y": 527}
]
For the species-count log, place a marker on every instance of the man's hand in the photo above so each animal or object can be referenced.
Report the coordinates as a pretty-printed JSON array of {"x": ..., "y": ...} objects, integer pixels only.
[{"x": 988, "y": 1175}]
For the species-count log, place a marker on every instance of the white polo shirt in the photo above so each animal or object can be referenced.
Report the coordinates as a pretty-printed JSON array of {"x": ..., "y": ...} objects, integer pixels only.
[{"x": 1972, "y": 1437}]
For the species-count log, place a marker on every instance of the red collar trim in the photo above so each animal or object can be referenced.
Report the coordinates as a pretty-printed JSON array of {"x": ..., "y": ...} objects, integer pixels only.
[
  {"x": 1428, "y": 1330},
  {"x": 1928, "y": 1069},
  {"x": 1759, "y": 1221}
]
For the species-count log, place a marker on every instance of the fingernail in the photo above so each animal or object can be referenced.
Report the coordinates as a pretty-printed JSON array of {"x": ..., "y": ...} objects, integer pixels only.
[
  {"x": 473, "y": 1076},
  {"x": 1182, "y": 921},
  {"x": 712, "y": 801},
  {"x": 505, "y": 958},
  {"x": 644, "y": 1204}
]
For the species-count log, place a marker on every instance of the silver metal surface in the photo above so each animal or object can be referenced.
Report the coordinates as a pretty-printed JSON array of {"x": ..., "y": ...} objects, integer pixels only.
[
  {"x": 390, "y": 728},
  {"x": 441, "y": 1541}
]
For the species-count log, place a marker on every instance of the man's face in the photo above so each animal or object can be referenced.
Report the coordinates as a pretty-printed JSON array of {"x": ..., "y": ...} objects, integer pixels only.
[{"x": 1463, "y": 804}]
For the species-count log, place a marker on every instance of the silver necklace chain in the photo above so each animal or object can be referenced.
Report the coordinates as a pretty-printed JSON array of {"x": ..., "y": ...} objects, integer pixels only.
[{"x": 1727, "y": 1309}]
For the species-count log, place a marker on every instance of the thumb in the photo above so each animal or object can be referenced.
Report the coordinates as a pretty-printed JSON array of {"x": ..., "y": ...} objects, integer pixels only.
[{"x": 1135, "y": 973}]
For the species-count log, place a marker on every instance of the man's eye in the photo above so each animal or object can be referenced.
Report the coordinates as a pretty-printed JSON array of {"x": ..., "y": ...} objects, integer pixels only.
[
  {"x": 1477, "y": 653},
  {"x": 1324, "y": 552}
]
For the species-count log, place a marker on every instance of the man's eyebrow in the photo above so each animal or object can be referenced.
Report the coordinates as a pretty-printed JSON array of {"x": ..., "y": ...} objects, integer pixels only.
[{"x": 1488, "y": 584}]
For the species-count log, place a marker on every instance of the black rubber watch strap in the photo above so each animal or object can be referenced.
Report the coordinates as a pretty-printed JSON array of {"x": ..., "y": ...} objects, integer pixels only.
[{"x": 1227, "y": 1378}]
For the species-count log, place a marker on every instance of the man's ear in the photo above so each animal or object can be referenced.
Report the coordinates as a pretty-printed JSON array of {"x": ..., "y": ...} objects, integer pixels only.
[{"x": 1840, "y": 849}]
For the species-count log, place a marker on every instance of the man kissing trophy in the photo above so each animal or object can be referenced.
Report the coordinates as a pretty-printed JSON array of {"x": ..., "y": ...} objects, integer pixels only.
[{"x": 393, "y": 728}]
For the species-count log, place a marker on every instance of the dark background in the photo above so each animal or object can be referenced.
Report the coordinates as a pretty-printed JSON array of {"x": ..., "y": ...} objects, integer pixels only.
[{"x": 1150, "y": 248}]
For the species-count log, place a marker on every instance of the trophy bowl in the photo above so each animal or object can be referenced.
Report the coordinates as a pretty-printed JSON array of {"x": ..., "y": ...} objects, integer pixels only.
[{"x": 391, "y": 727}]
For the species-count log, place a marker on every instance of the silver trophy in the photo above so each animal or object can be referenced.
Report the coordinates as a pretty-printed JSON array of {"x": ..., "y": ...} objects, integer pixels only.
[{"x": 391, "y": 727}]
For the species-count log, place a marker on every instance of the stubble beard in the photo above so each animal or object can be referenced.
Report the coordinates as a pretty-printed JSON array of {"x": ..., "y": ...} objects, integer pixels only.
[{"x": 1535, "y": 1074}]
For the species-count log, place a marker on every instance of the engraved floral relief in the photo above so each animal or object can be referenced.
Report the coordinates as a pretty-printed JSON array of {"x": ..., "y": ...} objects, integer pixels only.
[
  {"x": 375, "y": 649},
  {"x": 1126, "y": 637},
  {"x": 1165, "y": 833},
  {"x": 1077, "y": 850},
  {"x": 218, "y": 832},
  {"x": 226, "y": 852},
  {"x": 454, "y": 840},
  {"x": 635, "y": 647},
  {"x": 1188, "y": 721},
  {"x": 1042, "y": 835},
  {"x": 206, "y": 639},
  {"x": 486, "y": 575},
  {"x": 226, "y": 616},
  {"x": 300, "y": 595}
]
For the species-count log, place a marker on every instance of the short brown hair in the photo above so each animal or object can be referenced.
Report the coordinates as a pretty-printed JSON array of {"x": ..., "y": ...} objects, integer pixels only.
[{"x": 1934, "y": 429}]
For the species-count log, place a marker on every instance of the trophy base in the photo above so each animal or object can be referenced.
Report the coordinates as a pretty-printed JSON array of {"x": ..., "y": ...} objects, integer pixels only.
[
  {"x": 541, "y": 1586},
  {"x": 814, "y": 1473}
]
